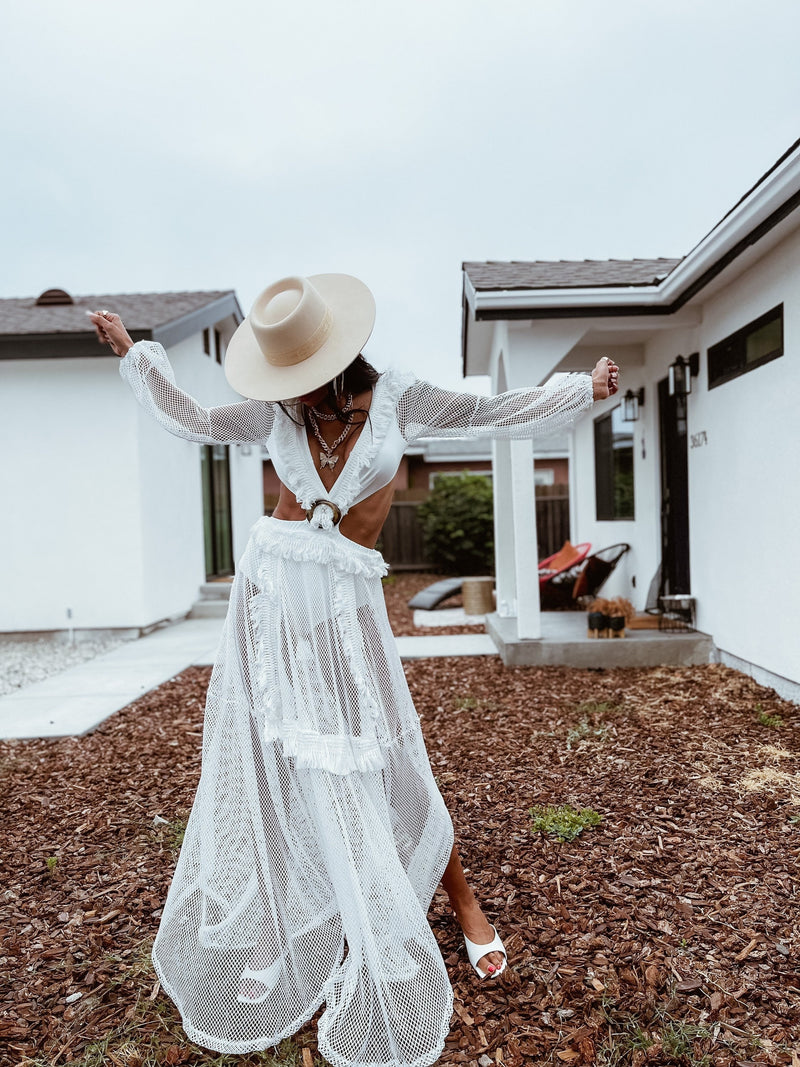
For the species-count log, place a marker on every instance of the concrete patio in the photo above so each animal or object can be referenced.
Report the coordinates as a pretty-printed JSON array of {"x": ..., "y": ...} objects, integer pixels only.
[{"x": 565, "y": 643}]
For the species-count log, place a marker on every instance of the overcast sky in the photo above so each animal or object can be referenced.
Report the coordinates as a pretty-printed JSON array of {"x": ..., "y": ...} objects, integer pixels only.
[{"x": 180, "y": 144}]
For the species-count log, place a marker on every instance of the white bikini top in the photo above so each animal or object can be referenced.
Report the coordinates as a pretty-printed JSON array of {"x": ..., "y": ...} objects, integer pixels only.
[{"x": 371, "y": 464}]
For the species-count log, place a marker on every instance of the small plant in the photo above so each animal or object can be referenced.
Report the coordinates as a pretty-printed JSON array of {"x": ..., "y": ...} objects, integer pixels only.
[
  {"x": 590, "y": 708},
  {"x": 174, "y": 833},
  {"x": 465, "y": 703},
  {"x": 678, "y": 1038},
  {"x": 562, "y": 821},
  {"x": 52, "y": 864},
  {"x": 626, "y": 1035},
  {"x": 767, "y": 720},
  {"x": 584, "y": 731},
  {"x": 170, "y": 832}
]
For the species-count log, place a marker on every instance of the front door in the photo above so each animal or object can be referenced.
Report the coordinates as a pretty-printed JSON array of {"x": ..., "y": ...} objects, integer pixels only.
[
  {"x": 217, "y": 531},
  {"x": 675, "y": 577}
]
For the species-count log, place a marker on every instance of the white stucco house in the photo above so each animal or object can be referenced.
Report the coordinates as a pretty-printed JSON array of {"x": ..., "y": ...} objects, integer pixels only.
[
  {"x": 110, "y": 522},
  {"x": 705, "y": 485}
]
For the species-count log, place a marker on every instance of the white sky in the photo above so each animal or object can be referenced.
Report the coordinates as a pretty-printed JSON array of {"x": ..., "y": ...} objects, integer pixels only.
[{"x": 187, "y": 145}]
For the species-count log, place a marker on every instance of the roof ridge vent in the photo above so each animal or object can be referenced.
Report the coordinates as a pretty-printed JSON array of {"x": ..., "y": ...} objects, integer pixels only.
[{"x": 54, "y": 296}]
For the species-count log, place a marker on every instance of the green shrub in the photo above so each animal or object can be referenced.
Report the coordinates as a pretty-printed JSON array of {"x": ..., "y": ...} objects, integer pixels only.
[{"x": 458, "y": 524}]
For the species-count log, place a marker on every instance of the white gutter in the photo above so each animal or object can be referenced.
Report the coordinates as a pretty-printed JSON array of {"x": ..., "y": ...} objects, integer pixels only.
[{"x": 767, "y": 198}]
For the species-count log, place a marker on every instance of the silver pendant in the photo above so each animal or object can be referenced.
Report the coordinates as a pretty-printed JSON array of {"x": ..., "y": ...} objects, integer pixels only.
[{"x": 327, "y": 461}]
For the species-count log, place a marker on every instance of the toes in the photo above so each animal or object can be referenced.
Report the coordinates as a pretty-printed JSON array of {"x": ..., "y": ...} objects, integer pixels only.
[{"x": 492, "y": 963}]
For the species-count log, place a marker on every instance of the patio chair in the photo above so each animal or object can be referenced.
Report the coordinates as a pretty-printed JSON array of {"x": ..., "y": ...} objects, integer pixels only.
[
  {"x": 566, "y": 557},
  {"x": 572, "y": 588}
]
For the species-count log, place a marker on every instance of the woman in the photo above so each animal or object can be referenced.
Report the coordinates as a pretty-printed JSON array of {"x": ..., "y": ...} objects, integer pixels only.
[{"x": 318, "y": 835}]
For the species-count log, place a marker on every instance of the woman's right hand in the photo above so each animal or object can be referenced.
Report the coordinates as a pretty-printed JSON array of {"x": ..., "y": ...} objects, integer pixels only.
[
  {"x": 605, "y": 379},
  {"x": 110, "y": 331}
]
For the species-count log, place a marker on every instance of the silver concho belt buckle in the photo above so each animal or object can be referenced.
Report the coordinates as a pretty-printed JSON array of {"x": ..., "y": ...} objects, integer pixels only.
[{"x": 336, "y": 512}]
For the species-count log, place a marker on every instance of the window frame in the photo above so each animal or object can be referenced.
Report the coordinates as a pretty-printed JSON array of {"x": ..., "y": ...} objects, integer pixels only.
[
  {"x": 605, "y": 496},
  {"x": 738, "y": 341}
]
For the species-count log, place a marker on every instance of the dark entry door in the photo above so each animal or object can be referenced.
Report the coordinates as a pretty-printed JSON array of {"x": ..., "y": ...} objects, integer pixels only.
[
  {"x": 217, "y": 529},
  {"x": 675, "y": 576}
]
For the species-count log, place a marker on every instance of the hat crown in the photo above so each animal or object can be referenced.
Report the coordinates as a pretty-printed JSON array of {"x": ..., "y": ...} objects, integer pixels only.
[
  {"x": 290, "y": 321},
  {"x": 299, "y": 334}
]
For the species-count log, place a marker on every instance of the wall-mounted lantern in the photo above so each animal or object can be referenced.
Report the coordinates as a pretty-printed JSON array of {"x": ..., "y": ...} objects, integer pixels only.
[
  {"x": 681, "y": 373},
  {"x": 631, "y": 403}
]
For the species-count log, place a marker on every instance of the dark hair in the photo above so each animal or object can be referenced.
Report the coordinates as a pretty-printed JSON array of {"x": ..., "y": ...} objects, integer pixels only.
[{"x": 358, "y": 377}]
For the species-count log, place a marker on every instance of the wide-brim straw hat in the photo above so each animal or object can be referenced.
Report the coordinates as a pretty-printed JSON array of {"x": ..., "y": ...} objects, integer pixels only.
[{"x": 300, "y": 333}]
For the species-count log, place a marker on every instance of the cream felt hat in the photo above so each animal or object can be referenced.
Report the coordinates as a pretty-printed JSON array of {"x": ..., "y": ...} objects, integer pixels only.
[{"x": 300, "y": 333}]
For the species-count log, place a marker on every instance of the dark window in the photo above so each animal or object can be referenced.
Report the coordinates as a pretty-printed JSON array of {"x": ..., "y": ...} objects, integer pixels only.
[
  {"x": 613, "y": 467},
  {"x": 218, "y": 346},
  {"x": 217, "y": 529},
  {"x": 206, "y": 342},
  {"x": 748, "y": 348}
]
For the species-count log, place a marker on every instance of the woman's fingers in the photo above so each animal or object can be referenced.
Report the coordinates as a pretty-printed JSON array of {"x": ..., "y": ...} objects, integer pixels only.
[
  {"x": 606, "y": 378},
  {"x": 111, "y": 331}
]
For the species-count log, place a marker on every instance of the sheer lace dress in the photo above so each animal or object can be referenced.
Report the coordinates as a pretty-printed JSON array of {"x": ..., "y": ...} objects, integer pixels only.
[{"x": 318, "y": 834}]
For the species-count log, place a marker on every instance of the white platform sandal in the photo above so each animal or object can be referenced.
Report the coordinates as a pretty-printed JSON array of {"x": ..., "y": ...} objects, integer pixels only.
[{"x": 476, "y": 951}]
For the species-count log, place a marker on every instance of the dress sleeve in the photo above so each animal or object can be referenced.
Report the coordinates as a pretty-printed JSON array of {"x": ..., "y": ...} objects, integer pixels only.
[
  {"x": 424, "y": 410},
  {"x": 146, "y": 368}
]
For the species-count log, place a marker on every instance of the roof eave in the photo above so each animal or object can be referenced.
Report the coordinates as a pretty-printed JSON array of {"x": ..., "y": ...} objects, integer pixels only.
[
  {"x": 83, "y": 344},
  {"x": 771, "y": 201},
  {"x": 171, "y": 333}
]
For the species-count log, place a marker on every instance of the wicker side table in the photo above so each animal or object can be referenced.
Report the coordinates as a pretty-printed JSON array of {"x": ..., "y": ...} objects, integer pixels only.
[{"x": 477, "y": 596}]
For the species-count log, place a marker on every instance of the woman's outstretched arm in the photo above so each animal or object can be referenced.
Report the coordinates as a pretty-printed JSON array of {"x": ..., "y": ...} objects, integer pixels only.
[
  {"x": 146, "y": 368},
  {"x": 424, "y": 410}
]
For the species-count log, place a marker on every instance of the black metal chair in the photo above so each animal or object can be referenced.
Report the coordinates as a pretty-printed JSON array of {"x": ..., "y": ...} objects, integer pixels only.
[{"x": 574, "y": 588}]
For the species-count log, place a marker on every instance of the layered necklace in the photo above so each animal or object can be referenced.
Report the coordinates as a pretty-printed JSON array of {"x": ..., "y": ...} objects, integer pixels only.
[{"x": 326, "y": 457}]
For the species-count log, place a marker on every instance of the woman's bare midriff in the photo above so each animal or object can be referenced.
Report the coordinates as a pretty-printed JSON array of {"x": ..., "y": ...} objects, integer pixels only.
[{"x": 363, "y": 522}]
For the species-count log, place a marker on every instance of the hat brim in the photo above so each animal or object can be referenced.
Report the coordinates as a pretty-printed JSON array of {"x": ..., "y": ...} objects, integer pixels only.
[{"x": 353, "y": 312}]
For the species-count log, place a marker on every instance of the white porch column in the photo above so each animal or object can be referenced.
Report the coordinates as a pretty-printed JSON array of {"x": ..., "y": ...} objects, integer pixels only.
[
  {"x": 526, "y": 553},
  {"x": 573, "y": 489},
  {"x": 504, "y": 565}
]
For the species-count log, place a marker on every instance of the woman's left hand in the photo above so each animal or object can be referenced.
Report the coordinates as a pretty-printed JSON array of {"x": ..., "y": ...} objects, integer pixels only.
[{"x": 605, "y": 378}]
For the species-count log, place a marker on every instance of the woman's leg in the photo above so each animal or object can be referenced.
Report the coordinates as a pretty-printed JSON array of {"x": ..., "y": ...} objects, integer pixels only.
[{"x": 468, "y": 911}]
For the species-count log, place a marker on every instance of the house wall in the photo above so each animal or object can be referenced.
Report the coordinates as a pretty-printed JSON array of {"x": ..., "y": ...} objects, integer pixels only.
[
  {"x": 71, "y": 535},
  {"x": 102, "y": 507},
  {"x": 743, "y": 484},
  {"x": 743, "y": 500}
]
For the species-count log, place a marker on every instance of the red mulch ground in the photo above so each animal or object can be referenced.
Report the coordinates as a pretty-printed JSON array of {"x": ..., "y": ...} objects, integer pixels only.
[{"x": 667, "y": 934}]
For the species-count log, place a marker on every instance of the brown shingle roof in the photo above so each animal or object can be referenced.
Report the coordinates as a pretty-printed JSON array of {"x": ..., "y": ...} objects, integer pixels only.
[
  {"x": 567, "y": 274},
  {"x": 139, "y": 311}
]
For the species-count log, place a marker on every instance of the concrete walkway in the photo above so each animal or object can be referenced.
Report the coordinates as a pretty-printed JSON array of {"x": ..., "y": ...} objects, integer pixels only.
[{"x": 79, "y": 699}]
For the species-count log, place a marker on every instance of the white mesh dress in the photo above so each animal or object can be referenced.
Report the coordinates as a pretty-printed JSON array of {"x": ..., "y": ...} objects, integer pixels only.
[{"x": 318, "y": 835}]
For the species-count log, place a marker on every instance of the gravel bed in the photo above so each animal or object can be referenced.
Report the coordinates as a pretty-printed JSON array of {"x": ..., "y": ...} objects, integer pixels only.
[{"x": 25, "y": 662}]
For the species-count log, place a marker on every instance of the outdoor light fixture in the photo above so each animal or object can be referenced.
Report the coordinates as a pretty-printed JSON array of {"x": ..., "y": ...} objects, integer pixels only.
[
  {"x": 681, "y": 373},
  {"x": 631, "y": 403}
]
